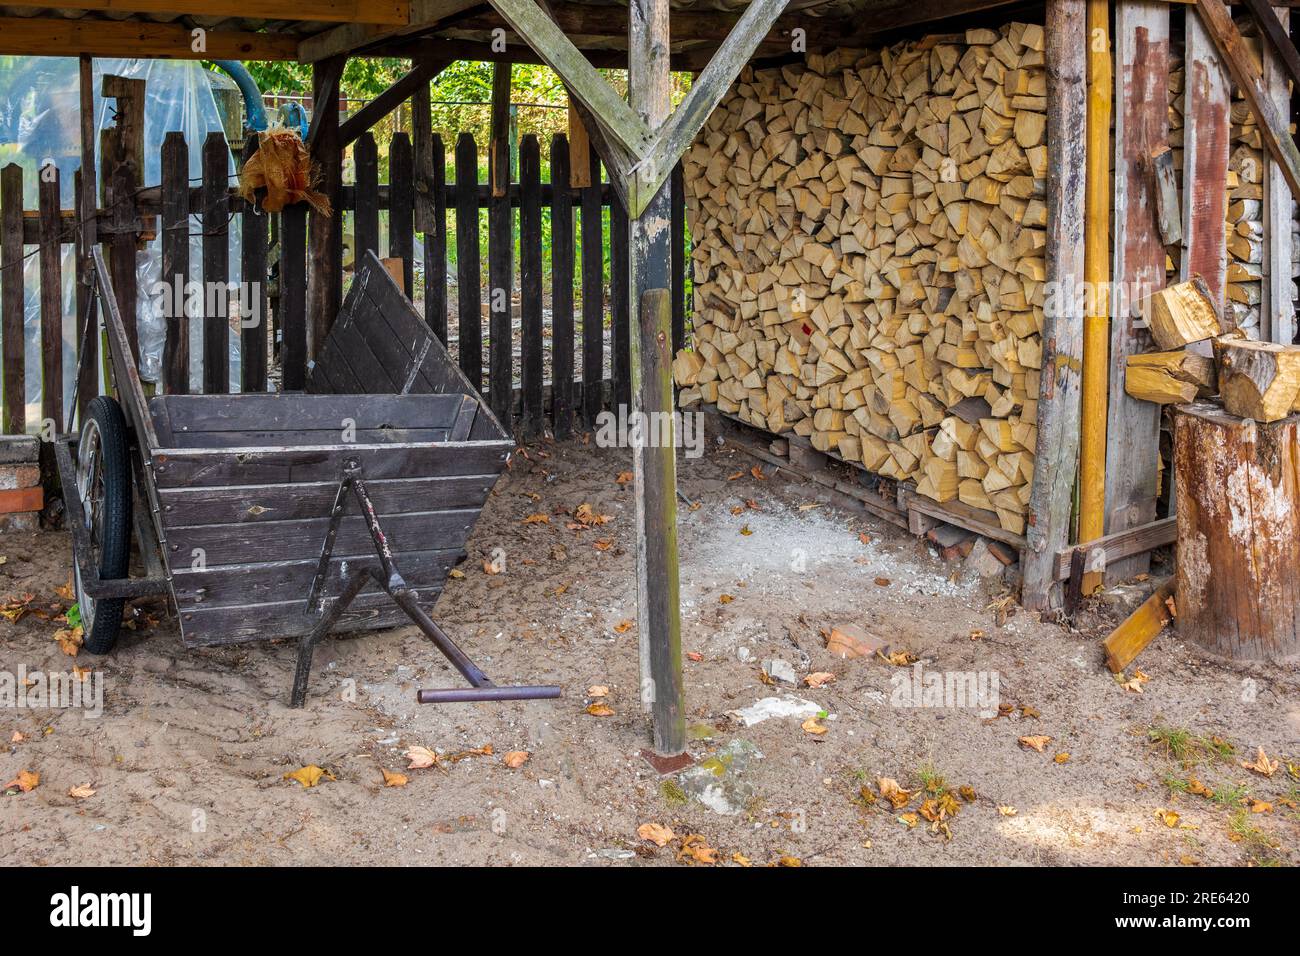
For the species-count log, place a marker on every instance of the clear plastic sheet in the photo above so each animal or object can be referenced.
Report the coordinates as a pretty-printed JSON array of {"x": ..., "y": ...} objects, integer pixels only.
[{"x": 39, "y": 122}]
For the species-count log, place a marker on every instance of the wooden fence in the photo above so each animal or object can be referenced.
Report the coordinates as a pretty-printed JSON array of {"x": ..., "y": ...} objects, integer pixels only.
[{"x": 417, "y": 198}]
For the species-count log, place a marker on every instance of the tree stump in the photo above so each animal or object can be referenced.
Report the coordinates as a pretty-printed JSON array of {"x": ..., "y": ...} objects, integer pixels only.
[{"x": 1238, "y": 591}]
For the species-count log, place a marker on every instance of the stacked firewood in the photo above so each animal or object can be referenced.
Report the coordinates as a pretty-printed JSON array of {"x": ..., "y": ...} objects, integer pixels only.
[{"x": 869, "y": 260}]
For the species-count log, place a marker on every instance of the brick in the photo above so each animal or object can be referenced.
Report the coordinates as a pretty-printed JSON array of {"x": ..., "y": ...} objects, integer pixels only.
[
  {"x": 22, "y": 500},
  {"x": 19, "y": 476}
]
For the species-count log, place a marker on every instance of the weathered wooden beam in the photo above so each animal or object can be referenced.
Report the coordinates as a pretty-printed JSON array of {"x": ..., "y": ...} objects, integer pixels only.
[
  {"x": 676, "y": 133},
  {"x": 1277, "y": 307},
  {"x": 1276, "y": 31},
  {"x": 1141, "y": 124},
  {"x": 1048, "y": 527},
  {"x": 1122, "y": 544},
  {"x": 1206, "y": 131},
  {"x": 422, "y": 72},
  {"x": 353, "y": 36},
  {"x": 325, "y": 233},
  {"x": 135, "y": 39},
  {"x": 1274, "y": 128},
  {"x": 613, "y": 115},
  {"x": 325, "y": 11},
  {"x": 86, "y": 204},
  {"x": 1140, "y": 628}
]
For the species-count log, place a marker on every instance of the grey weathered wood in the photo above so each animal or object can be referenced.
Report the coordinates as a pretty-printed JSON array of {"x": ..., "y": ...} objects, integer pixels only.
[
  {"x": 467, "y": 261},
  {"x": 254, "y": 622},
  {"x": 325, "y": 233},
  {"x": 11, "y": 298},
  {"x": 276, "y": 411},
  {"x": 530, "y": 285},
  {"x": 435, "y": 248},
  {"x": 1277, "y": 303},
  {"x": 175, "y": 232},
  {"x": 51, "y": 299},
  {"x": 126, "y": 377},
  {"x": 293, "y": 296},
  {"x": 562, "y": 274},
  {"x": 593, "y": 295},
  {"x": 87, "y": 191},
  {"x": 253, "y": 341},
  {"x": 1048, "y": 527},
  {"x": 1141, "y": 123},
  {"x": 216, "y": 264},
  {"x": 501, "y": 279},
  {"x": 366, "y": 216},
  {"x": 401, "y": 212}
]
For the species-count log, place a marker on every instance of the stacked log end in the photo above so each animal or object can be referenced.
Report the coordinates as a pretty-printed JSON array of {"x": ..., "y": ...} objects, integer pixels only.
[{"x": 869, "y": 259}]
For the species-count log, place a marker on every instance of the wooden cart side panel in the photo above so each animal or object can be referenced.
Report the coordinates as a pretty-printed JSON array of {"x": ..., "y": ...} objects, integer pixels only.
[
  {"x": 216, "y": 467},
  {"x": 291, "y": 412},
  {"x": 221, "y": 544},
  {"x": 314, "y": 438},
  {"x": 255, "y": 622},
  {"x": 264, "y": 503},
  {"x": 125, "y": 374},
  {"x": 286, "y": 581}
]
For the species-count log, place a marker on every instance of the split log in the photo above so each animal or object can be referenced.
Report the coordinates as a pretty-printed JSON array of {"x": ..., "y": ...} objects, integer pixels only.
[
  {"x": 1238, "y": 533},
  {"x": 1181, "y": 314},
  {"x": 1169, "y": 377},
  {"x": 1257, "y": 380}
]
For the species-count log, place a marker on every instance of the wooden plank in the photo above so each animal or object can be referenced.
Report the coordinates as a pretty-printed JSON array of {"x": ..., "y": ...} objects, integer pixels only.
[
  {"x": 51, "y": 293},
  {"x": 253, "y": 273},
  {"x": 501, "y": 280},
  {"x": 401, "y": 213},
  {"x": 366, "y": 216},
  {"x": 1274, "y": 127},
  {"x": 677, "y": 242},
  {"x": 413, "y": 80},
  {"x": 1206, "y": 145},
  {"x": 126, "y": 374},
  {"x": 593, "y": 294},
  {"x": 467, "y": 262},
  {"x": 293, "y": 299},
  {"x": 619, "y": 306},
  {"x": 325, "y": 233},
  {"x": 1122, "y": 544},
  {"x": 371, "y": 610},
  {"x": 138, "y": 40},
  {"x": 435, "y": 248},
  {"x": 1276, "y": 26},
  {"x": 87, "y": 191},
  {"x": 1277, "y": 305},
  {"x": 530, "y": 285},
  {"x": 562, "y": 275},
  {"x": 1141, "y": 123},
  {"x": 1048, "y": 524},
  {"x": 175, "y": 230},
  {"x": 186, "y": 468},
  {"x": 356, "y": 35},
  {"x": 216, "y": 265},
  {"x": 395, "y": 12},
  {"x": 579, "y": 149},
  {"x": 270, "y": 411},
  {"x": 1139, "y": 629},
  {"x": 11, "y": 298}
]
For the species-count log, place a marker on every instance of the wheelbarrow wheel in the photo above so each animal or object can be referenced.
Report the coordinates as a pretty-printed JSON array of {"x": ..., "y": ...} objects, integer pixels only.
[{"x": 104, "y": 487}]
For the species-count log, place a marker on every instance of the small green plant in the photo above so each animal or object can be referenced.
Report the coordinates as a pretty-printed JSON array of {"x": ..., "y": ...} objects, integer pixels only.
[
  {"x": 1176, "y": 784},
  {"x": 1229, "y": 795},
  {"x": 1178, "y": 742},
  {"x": 1219, "y": 747},
  {"x": 932, "y": 781},
  {"x": 672, "y": 793}
]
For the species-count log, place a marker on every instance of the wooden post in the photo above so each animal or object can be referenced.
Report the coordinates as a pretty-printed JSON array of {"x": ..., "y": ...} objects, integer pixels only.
[
  {"x": 1277, "y": 308},
  {"x": 500, "y": 252},
  {"x": 253, "y": 274},
  {"x": 1058, "y": 400},
  {"x": 122, "y": 157},
  {"x": 51, "y": 316},
  {"x": 87, "y": 193},
  {"x": 469, "y": 295},
  {"x": 401, "y": 208},
  {"x": 654, "y": 457},
  {"x": 530, "y": 286},
  {"x": 561, "y": 289},
  {"x": 1141, "y": 124},
  {"x": 216, "y": 264},
  {"x": 11, "y": 298},
  {"x": 1238, "y": 533},
  {"x": 365, "y": 218},
  {"x": 175, "y": 231},
  {"x": 1096, "y": 322},
  {"x": 593, "y": 294},
  {"x": 325, "y": 233}
]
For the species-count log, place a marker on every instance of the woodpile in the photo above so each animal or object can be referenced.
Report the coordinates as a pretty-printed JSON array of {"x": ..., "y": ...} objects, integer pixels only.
[{"x": 869, "y": 259}]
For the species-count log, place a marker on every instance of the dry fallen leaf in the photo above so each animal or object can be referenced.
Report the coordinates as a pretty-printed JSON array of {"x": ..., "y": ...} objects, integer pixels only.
[
  {"x": 726, "y": 599},
  {"x": 819, "y": 679},
  {"x": 1168, "y": 817},
  {"x": 603, "y": 544},
  {"x": 538, "y": 518},
  {"x": 1259, "y": 806},
  {"x": 309, "y": 775},
  {"x": 694, "y": 656},
  {"x": 811, "y": 726},
  {"x": 393, "y": 779},
  {"x": 695, "y": 850},
  {"x": 600, "y": 710},
  {"x": 911, "y": 819},
  {"x": 514, "y": 759},
  {"x": 70, "y": 640},
  {"x": 455, "y": 573},
  {"x": 864, "y": 537},
  {"x": 491, "y": 567},
  {"x": 745, "y": 530},
  {"x": 1262, "y": 764},
  {"x": 66, "y": 592},
  {"x": 757, "y": 472},
  {"x": 739, "y": 474},
  {"x": 891, "y": 791},
  {"x": 587, "y": 517},
  {"x": 597, "y": 690},
  {"x": 740, "y": 859},
  {"x": 82, "y": 792},
  {"x": 1007, "y": 811},
  {"x": 1062, "y": 758},
  {"x": 882, "y": 582},
  {"x": 623, "y": 626},
  {"x": 624, "y": 477},
  {"x": 26, "y": 781},
  {"x": 655, "y": 833},
  {"x": 420, "y": 757},
  {"x": 898, "y": 658},
  {"x": 967, "y": 793},
  {"x": 1035, "y": 741},
  {"x": 17, "y": 738}
]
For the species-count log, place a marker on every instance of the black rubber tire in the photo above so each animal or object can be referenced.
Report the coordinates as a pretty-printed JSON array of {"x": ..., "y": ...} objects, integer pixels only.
[{"x": 105, "y": 414}]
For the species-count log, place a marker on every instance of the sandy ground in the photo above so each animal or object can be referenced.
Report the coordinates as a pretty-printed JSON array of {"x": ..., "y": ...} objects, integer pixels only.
[{"x": 187, "y": 760}]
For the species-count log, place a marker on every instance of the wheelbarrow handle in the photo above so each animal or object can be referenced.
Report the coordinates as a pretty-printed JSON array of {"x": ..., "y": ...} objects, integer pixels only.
[{"x": 461, "y": 695}]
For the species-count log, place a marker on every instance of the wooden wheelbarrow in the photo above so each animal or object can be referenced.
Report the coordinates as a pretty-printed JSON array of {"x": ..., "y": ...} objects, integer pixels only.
[{"x": 266, "y": 515}]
